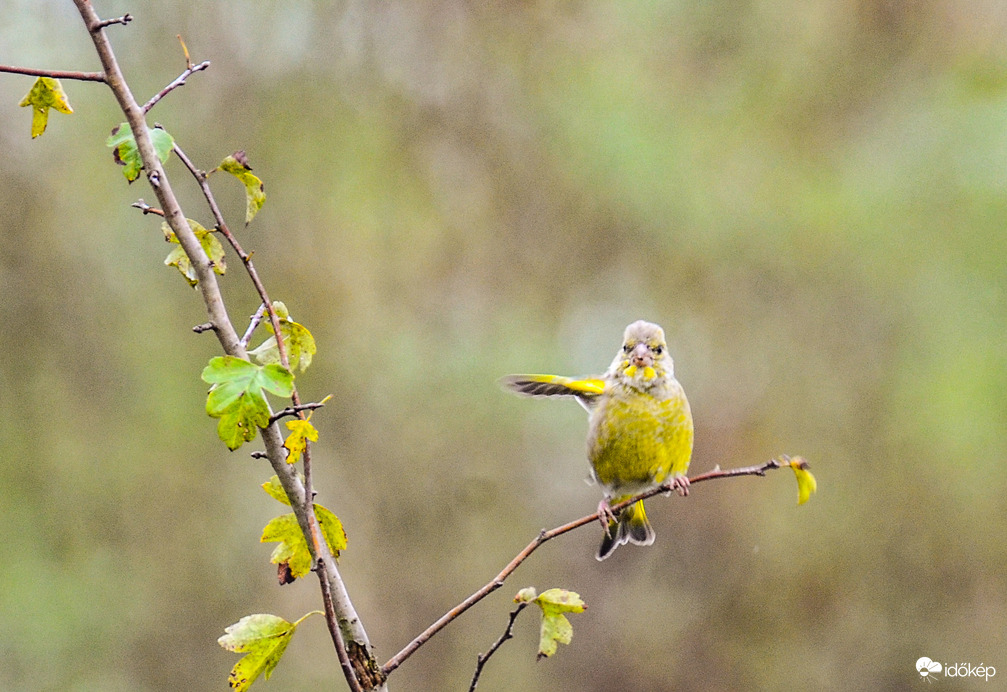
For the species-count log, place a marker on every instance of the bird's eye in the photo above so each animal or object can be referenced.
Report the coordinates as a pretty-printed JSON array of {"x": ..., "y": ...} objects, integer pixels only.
[
  {"x": 627, "y": 348},
  {"x": 658, "y": 350}
]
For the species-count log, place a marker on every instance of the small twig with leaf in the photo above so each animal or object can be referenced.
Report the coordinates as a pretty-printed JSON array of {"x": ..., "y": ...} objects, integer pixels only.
[{"x": 554, "y": 630}]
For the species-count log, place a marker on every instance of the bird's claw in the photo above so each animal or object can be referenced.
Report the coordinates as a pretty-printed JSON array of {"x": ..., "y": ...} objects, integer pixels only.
[
  {"x": 605, "y": 514},
  {"x": 681, "y": 485}
]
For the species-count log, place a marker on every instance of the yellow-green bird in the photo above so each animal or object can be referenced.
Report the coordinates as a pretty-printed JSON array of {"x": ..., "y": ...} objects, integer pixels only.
[{"x": 640, "y": 430}]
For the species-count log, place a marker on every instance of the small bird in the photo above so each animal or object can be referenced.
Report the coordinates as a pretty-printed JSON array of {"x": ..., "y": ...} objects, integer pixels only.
[{"x": 640, "y": 428}]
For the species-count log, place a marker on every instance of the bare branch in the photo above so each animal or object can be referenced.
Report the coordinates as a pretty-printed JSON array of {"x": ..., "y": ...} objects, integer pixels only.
[
  {"x": 508, "y": 633},
  {"x": 55, "y": 74},
  {"x": 205, "y": 327},
  {"x": 177, "y": 82},
  {"x": 498, "y": 581}
]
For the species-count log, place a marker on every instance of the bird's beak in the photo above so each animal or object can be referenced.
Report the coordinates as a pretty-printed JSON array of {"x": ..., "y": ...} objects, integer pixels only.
[{"x": 641, "y": 356}]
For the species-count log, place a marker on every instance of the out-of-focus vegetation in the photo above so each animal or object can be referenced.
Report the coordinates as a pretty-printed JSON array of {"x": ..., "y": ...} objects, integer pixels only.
[{"x": 810, "y": 197}]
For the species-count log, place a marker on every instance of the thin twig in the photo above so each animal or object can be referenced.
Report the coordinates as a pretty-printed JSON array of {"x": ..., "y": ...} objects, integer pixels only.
[
  {"x": 494, "y": 584},
  {"x": 341, "y": 652},
  {"x": 253, "y": 322},
  {"x": 55, "y": 74},
  {"x": 508, "y": 633},
  {"x": 294, "y": 410},
  {"x": 124, "y": 20},
  {"x": 177, "y": 82},
  {"x": 146, "y": 208}
]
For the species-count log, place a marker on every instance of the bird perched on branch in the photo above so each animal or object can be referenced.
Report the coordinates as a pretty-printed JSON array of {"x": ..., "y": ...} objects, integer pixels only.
[{"x": 640, "y": 430}]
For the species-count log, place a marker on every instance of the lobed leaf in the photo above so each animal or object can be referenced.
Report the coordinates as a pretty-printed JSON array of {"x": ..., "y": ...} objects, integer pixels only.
[
  {"x": 293, "y": 548},
  {"x": 297, "y": 440},
  {"x": 263, "y": 638},
  {"x": 44, "y": 94},
  {"x": 237, "y": 398},
  {"x": 125, "y": 152},
  {"x": 556, "y": 629}
]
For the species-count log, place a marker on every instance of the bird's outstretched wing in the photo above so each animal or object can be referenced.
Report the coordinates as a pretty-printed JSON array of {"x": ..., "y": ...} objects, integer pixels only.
[{"x": 586, "y": 391}]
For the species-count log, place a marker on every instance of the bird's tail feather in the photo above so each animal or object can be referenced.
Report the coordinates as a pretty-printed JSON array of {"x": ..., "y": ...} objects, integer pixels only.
[{"x": 632, "y": 526}]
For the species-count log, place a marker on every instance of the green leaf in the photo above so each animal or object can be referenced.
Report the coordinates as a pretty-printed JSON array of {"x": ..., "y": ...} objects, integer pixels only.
[
  {"x": 125, "y": 152},
  {"x": 297, "y": 440},
  {"x": 806, "y": 483},
  {"x": 262, "y": 638},
  {"x": 293, "y": 548},
  {"x": 44, "y": 94},
  {"x": 237, "y": 398},
  {"x": 255, "y": 196},
  {"x": 556, "y": 629},
  {"x": 297, "y": 340},
  {"x": 178, "y": 259}
]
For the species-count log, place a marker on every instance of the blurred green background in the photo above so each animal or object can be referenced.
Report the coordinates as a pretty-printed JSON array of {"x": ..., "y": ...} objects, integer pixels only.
[{"x": 808, "y": 196}]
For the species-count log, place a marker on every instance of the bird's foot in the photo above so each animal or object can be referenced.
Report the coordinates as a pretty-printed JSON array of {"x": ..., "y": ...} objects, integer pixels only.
[
  {"x": 681, "y": 485},
  {"x": 605, "y": 514}
]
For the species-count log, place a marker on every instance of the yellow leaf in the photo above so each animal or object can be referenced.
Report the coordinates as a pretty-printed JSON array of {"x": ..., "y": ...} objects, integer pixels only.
[
  {"x": 44, "y": 94},
  {"x": 556, "y": 629},
  {"x": 293, "y": 548},
  {"x": 275, "y": 490},
  {"x": 262, "y": 638},
  {"x": 297, "y": 441}
]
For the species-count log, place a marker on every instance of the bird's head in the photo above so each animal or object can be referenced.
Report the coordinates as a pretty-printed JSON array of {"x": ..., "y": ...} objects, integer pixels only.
[{"x": 643, "y": 361}]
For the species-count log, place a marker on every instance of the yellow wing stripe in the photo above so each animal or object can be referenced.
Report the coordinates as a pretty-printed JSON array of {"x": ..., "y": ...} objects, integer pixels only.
[{"x": 553, "y": 385}]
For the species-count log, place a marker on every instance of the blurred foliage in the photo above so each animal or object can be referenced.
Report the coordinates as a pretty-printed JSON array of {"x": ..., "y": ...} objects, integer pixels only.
[{"x": 809, "y": 197}]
